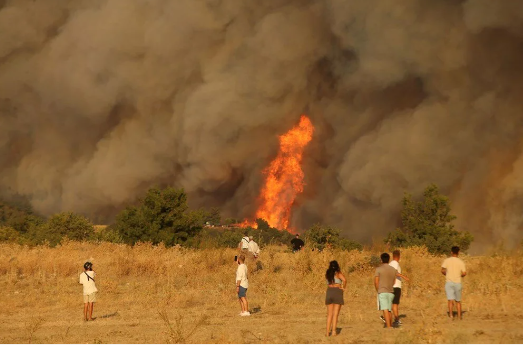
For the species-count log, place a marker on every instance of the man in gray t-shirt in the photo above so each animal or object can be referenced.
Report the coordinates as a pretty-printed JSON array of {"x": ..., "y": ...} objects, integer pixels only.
[{"x": 385, "y": 276}]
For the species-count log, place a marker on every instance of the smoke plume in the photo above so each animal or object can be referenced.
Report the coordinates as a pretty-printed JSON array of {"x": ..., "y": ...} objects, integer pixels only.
[{"x": 100, "y": 100}]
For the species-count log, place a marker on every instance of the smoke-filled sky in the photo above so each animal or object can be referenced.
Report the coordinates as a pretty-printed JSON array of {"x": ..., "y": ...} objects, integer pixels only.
[{"x": 100, "y": 100}]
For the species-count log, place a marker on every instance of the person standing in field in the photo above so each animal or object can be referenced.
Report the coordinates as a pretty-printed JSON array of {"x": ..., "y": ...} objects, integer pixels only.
[
  {"x": 297, "y": 243},
  {"x": 87, "y": 279},
  {"x": 385, "y": 277},
  {"x": 336, "y": 284},
  {"x": 242, "y": 285},
  {"x": 253, "y": 248},
  {"x": 454, "y": 269},
  {"x": 243, "y": 245},
  {"x": 397, "y": 287}
]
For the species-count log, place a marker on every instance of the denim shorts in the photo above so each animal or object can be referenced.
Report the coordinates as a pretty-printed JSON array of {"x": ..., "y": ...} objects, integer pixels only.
[
  {"x": 453, "y": 291},
  {"x": 242, "y": 292}
]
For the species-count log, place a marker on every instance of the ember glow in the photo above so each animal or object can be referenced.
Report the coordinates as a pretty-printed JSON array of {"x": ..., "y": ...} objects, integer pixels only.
[{"x": 284, "y": 176}]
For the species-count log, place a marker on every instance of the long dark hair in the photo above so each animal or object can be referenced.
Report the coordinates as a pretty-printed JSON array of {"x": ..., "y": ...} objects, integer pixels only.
[{"x": 330, "y": 273}]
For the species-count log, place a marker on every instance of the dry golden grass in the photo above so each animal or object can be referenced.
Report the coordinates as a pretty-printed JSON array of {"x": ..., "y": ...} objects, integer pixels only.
[{"x": 153, "y": 295}]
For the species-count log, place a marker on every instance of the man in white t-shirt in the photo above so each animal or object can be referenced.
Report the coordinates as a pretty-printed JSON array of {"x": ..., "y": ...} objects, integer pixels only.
[
  {"x": 242, "y": 285},
  {"x": 454, "y": 269},
  {"x": 87, "y": 279},
  {"x": 397, "y": 287},
  {"x": 253, "y": 248},
  {"x": 243, "y": 245}
]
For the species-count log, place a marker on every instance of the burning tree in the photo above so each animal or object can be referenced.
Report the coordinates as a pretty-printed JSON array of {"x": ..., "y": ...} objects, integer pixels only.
[{"x": 284, "y": 176}]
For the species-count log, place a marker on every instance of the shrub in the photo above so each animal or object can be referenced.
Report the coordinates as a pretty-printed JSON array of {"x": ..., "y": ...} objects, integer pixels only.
[
  {"x": 217, "y": 238},
  {"x": 266, "y": 235},
  {"x": 320, "y": 237},
  {"x": 348, "y": 245},
  {"x": 67, "y": 224},
  {"x": 428, "y": 223},
  {"x": 230, "y": 237},
  {"x": 8, "y": 234},
  {"x": 212, "y": 216},
  {"x": 231, "y": 221},
  {"x": 162, "y": 216},
  {"x": 108, "y": 234},
  {"x": 19, "y": 217},
  {"x": 262, "y": 224}
]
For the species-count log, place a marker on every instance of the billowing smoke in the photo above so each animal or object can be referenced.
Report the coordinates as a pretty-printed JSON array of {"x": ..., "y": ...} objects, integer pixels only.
[{"x": 100, "y": 100}]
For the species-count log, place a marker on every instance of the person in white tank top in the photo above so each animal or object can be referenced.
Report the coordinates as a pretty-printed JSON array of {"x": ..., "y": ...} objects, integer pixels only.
[{"x": 397, "y": 287}]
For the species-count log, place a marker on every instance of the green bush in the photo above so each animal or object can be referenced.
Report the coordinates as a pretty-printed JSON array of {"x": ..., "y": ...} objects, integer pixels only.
[
  {"x": 265, "y": 235},
  {"x": 348, "y": 245},
  {"x": 162, "y": 216},
  {"x": 218, "y": 237},
  {"x": 231, "y": 221},
  {"x": 8, "y": 234},
  {"x": 212, "y": 216},
  {"x": 67, "y": 224},
  {"x": 19, "y": 217},
  {"x": 108, "y": 234},
  {"x": 428, "y": 223},
  {"x": 320, "y": 237}
]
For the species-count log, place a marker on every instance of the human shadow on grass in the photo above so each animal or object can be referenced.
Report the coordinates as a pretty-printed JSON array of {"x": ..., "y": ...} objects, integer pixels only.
[
  {"x": 455, "y": 313},
  {"x": 255, "y": 310},
  {"x": 106, "y": 316}
]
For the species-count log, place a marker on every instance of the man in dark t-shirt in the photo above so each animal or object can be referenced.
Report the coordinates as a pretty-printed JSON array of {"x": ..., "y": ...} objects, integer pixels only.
[{"x": 297, "y": 243}]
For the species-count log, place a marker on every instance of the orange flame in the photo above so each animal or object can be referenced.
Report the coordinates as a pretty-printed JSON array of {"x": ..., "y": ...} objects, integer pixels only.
[{"x": 284, "y": 176}]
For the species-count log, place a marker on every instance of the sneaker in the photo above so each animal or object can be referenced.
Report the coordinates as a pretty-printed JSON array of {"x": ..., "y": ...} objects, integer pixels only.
[
  {"x": 246, "y": 313},
  {"x": 399, "y": 322},
  {"x": 396, "y": 324},
  {"x": 382, "y": 318}
]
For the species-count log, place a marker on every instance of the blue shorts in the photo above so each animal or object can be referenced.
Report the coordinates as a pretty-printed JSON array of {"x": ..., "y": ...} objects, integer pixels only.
[
  {"x": 242, "y": 292},
  {"x": 453, "y": 291},
  {"x": 385, "y": 300}
]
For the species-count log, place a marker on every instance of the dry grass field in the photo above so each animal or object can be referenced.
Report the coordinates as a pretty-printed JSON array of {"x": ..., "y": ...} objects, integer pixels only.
[{"x": 151, "y": 294}]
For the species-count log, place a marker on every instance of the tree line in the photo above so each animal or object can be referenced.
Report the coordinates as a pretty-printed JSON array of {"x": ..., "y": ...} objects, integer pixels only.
[{"x": 163, "y": 216}]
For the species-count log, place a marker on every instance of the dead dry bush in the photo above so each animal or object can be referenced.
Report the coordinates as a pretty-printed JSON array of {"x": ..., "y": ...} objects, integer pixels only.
[
  {"x": 178, "y": 332},
  {"x": 32, "y": 326}
]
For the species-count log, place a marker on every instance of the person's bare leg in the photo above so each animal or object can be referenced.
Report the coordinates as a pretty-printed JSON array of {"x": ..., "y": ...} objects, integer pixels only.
[
  {"x": 246, "y": 304},
  {"x": 387, "y": 316},
  {"x": 395, "y": 311},
  {"x": 329, "y": 318},
  {"x": 91, "y": 305},
  {"x": 86, "y": 307},
  {"x": 450, "y": 308},
  {"x": 459, "y": 310},
  {"x": 336, "y": 311},
  {"x": 241, "y": 304}
]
